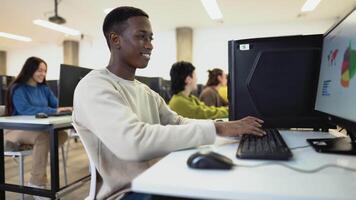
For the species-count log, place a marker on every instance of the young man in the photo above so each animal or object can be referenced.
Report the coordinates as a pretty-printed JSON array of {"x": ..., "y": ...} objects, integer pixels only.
[{"x": 126, "y": 123}]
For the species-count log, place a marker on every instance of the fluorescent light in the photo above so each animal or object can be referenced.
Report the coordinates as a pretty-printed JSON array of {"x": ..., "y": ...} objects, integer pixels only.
[
  {"x": 310, "y": 5},
  {"x": 106, "y": 11},
  {"x": 212, "y": 8},
  {"x": 56, "y": 27},
  {"x": 15, "y": 37}
]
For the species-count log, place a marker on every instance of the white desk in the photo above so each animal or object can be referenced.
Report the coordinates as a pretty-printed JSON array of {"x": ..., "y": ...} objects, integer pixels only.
[
  {"x": 172, "y": 177},
  {"x": 51, "y": 125}
]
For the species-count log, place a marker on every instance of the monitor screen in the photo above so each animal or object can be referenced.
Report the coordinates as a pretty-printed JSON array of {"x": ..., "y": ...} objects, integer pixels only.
[
  {"x": 337, "y": 82},
  {"x": 69, "y": 77},
  {"x": 336, "y": 94},
  {"x": 275, "y": 79}
]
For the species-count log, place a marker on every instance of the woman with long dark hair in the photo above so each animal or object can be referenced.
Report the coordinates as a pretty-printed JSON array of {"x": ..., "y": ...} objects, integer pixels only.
[
  {"x": 210, "y": 95},
  {"x": 29, "y": 94}
]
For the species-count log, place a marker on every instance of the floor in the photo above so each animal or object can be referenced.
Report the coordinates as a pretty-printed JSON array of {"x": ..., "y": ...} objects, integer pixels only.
[{"x": 77, "y": 167}]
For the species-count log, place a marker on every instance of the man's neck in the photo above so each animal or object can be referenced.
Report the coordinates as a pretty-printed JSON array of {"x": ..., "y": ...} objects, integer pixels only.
[{"x": 121, "y": 70}]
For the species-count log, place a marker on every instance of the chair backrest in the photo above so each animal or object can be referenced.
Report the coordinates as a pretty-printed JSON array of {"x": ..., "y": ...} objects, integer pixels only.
[{"x": 92, "y": 191}]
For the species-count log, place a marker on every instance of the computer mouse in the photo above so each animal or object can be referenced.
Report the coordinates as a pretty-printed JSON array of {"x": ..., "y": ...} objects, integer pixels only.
[
  {"x": 41, "y": 115},
  {"x": 209, "y": 160}
]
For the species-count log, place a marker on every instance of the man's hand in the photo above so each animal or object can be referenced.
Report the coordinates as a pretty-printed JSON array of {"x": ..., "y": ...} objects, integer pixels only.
[{"x": 247, "y": 125}]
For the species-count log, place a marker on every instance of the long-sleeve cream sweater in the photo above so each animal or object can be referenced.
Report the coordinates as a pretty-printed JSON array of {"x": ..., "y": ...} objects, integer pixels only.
[{"x": 125, "y": 125}]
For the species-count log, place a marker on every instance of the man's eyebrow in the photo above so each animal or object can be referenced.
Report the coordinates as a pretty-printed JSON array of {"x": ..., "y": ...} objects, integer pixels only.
[{"x": 145, "y": 32}]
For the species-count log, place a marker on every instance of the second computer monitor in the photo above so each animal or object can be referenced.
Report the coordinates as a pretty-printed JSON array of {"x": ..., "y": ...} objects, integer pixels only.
[
  {"x": 275, "y": 79},
  {"x": 68, "y": 79}
]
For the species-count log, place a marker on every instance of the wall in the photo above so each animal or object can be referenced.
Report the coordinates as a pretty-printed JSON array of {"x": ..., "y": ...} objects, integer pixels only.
[
  {"x": 51, "y": 53},
  {"x": 95, "y": 54},
  {"x": 209, "y": 48}
]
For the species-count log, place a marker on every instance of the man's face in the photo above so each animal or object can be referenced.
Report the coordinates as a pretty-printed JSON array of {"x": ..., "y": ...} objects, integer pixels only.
[{"x": 136, "y": 42}]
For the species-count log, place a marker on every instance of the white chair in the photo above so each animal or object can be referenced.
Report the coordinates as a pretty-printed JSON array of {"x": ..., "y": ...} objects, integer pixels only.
[
  {"x": 92, "y": 168},
  {"x": 19, "y": 156},
  {"x": 72, "y": 135}
]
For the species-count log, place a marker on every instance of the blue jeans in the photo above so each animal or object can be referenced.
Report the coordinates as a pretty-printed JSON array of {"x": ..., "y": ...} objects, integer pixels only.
[{"x": 136, "y": 196}]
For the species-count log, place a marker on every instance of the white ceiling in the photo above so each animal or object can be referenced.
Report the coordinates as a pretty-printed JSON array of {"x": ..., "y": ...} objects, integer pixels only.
[{"x": 87, "y": 15}]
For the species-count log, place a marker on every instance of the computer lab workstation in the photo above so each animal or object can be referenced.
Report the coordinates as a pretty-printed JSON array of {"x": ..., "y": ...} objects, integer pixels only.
[
  {"x": 63, "y": 89},
  {"x": 302, "y": 87}
]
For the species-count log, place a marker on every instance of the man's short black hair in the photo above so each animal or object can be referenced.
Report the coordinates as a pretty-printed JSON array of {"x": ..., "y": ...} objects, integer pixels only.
[
  {"x": 179, "y": 72},
  {"x": 117, "y": 18}
]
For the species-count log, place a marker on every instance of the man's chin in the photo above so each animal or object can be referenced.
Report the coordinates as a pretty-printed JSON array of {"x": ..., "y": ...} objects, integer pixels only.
[{"x": 142, "y": 66}]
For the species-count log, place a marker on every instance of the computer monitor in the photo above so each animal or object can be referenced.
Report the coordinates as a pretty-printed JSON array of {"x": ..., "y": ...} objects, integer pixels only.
[
  {"x": 198, "y": 91},
  {"x": 68, "y": 79},
  {"x": 53, "y": 86},
  {"x": 336, "y": 96},
  {"x": 275, "y": 79},
  {"x": 166, "y": 92}
]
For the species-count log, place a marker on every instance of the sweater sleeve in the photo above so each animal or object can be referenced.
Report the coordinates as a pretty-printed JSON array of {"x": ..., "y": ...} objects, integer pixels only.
[
  {"x": 103, "y": 110},
  {"x": 23, "y": 106},
  {"x": 196, "y": 109},
  {"x": 52, "y": 100}
]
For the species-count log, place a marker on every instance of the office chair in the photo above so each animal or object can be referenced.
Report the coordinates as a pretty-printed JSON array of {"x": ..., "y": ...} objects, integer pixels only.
[
  {"x": 92, "y": 168},
  {"x": 72, "y": 135}
]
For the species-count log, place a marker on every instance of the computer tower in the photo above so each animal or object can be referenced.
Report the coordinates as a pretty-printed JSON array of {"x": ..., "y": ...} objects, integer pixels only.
[{"x": 276, "y": 79}]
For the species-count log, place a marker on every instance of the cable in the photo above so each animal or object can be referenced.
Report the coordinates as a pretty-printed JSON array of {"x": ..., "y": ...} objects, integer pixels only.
[
  {"x": 299, "y": 147},
  {"x": 298, "y": 169}
]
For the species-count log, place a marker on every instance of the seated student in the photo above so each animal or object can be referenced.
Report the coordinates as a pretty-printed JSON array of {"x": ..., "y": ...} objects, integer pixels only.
[
  {"x": 183, "y": 82},
  {"x": 28, "y": 94},
  {"x": 125, "y": 122},
  {"x": 210, "y": 95}
]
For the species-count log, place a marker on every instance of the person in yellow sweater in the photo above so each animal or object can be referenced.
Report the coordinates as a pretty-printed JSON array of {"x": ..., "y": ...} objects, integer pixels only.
[
  {"x": 183, "y": 82},
  {"x": 223, "y": 92}
]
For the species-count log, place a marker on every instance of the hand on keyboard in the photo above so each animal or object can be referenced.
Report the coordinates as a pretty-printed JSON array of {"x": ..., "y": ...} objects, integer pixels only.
[
  {"x": 247, "y": 125},
  {"x": 64, "y": 109}
]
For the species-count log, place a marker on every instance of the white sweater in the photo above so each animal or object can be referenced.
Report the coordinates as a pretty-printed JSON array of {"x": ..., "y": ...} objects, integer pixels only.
[{"x": 125, "y": 125}]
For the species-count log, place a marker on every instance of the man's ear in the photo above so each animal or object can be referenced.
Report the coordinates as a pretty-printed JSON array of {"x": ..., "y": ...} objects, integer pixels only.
[{"x": 115, "y": 40}]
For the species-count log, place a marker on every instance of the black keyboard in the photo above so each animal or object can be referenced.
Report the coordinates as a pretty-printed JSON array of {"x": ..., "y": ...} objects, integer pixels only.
[
  {"x": 269, "y": 147},
  {"x": 60, "y": 114}
]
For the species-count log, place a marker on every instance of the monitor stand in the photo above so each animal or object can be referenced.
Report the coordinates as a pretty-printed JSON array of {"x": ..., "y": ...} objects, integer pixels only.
[{"x": 339, "y": 145}]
